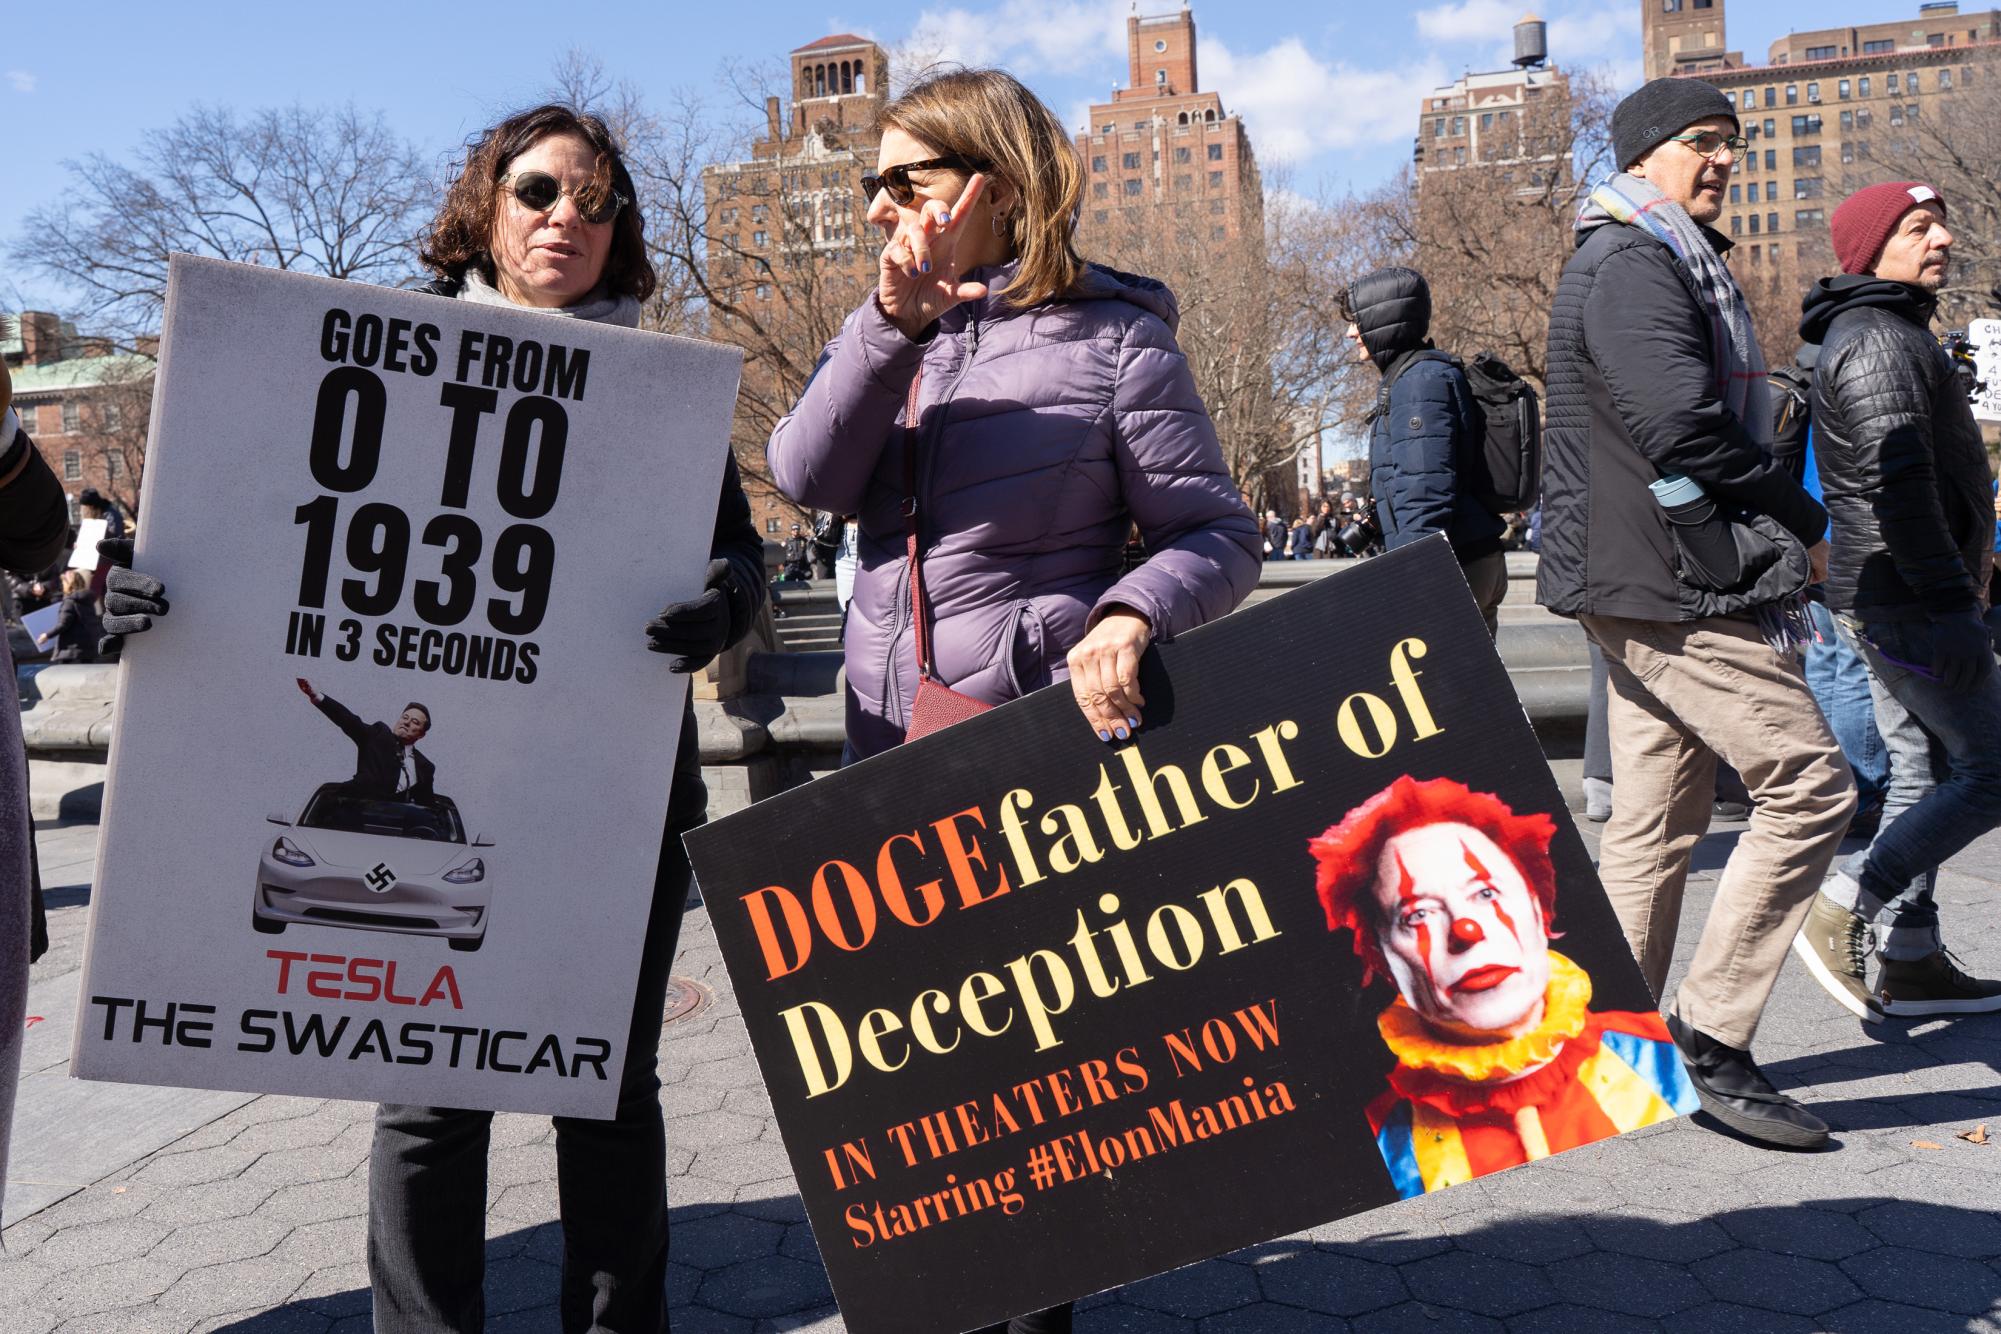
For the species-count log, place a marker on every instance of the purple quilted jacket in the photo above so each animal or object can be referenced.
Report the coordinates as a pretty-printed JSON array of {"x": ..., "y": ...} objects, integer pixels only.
[{"x": 1045, "y": 434}]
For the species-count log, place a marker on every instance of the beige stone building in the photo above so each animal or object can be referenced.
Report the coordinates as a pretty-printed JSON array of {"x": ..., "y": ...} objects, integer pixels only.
[{"x": 1503, "y": 118}]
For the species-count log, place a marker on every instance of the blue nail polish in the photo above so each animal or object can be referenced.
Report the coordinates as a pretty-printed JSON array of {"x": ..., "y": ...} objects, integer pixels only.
[
  {"x": 944, "y": 217},
  {"x": 1133, "y": 723},
  {"x": 1103, "y": 735},
  {"x": 1121, "y": 733},
  {"x": 925, "y": 267}
]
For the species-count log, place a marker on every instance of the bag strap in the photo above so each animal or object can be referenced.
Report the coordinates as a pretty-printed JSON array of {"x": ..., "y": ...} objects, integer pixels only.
[{"x": 918, "y": 615}]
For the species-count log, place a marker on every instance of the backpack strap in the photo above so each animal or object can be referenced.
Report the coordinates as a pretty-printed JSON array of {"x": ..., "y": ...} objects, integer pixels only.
[{"x": 918, "y": 617}]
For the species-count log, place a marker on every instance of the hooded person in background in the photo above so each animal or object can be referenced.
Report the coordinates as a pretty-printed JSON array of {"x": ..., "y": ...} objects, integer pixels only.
[
  {"x": 1424, "y": 433},
  {"x": 1908, "y": 490},
  {"x": 1654, "y": 373},
  {"x": 34, "y": 527}
]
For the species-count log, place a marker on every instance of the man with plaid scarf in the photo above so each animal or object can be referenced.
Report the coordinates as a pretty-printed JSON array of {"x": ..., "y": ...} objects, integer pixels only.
[{"x": 1656, "y": 388}]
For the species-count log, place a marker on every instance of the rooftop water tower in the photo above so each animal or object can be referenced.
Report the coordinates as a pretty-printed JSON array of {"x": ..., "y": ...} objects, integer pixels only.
[{"x": 1531, "y": 42}]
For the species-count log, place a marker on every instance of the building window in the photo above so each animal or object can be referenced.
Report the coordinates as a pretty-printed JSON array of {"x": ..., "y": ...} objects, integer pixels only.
[
  {"x": 1809, "y": 217},
  {"x": 1813, "y": 92},
  {"x": 1215, "y": 206},
  {"x": 1182, "y": 156},
  {"x": 1847, "y": 151},
  {"x": 1771, "y": 97},
  {"x": 1862, "y": 86},
  {"x": 1160, "y": 78},
  {"x": 1486, "y": 120},
  {"x": 1820, "y": 53},
  {"x": 1771, "y": 222},
  {"x": 1184, "y": 181},
  {"x": 72, "y": 418},
  {"x": 1896, "y": 118},
  {"x": 728, "y": 216},
  {"x": 1847, "y": 121},
  {"x": 1757, "y": 253},
  {"x": 1879, "y": 46},
  {"x": 764, "y": 291},
  {"x": 758, "y": 213},
  {"x": 1807, "y": 187},
  {"x": 1771, "y": 159},
  {"x": 1736, "y": 224},
  {"x": 1792, "y": 94},
  {"x": 1438, "y": 127},
  {"x": 1749, "y": 98},
  {"x": 1099, "y": 189},
  {"x": 1160, "y": 43},
  {"x": 1944, "y": 80},
  {"x": 1807, "y": 156},
  {"x": 1215, "y": 152},
  {"x": 1771, "y": 127},
  {"x": 1108, "y": 128},
  {"x": 72, "y": 465},
  {"x": 1841, "y": 89},
  {"x": 1754, "y": 224},
  {"x": 1896, "y": 82},
  {"x": 1218, "y": 232},
  {"x": 771, "y": 526},
  {"x": 1458, "y": 128},
  {"x": 1459, "y": 156},
  {"x": 1130, "y": 162},
  {"x": 1132, "y": 186},
  {"x": 1736, "y": 194},
  {"x": 1141, "y": 126},
  {"x": 1097, "y": 164},
  {"x": 1862, "y": 117},
  {"x": 114, "y": 466},
  {"x": 757, "y": 238},
  {"x": 1670, "y": 6}
]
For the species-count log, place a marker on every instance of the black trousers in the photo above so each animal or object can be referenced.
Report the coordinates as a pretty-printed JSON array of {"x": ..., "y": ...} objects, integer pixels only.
[{"x": 427, "y": 1184}]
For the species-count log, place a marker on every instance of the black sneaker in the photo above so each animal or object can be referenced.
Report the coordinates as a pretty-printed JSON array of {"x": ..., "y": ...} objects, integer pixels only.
[
  {"x": 1734, "y": 1090},
  {"x": 1934, "y": 984},
  {"x": 1732, "y": 810}
]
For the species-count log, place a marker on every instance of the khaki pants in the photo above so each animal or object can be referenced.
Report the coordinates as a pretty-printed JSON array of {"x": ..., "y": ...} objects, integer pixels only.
[
  {"x": 1682, "y": 695},
  {"x": 1487, "y": 576}
]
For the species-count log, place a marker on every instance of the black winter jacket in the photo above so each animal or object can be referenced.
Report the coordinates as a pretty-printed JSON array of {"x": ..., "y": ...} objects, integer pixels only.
[
  {"x": 736, "y": 540},
  {"x": 1908, "y": 487},
  {"x": 1425, "y": 432},
  {"x": 1632, "y": 395}
]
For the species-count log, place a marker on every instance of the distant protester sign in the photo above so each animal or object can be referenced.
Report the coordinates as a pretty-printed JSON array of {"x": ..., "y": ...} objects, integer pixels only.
[
  {"x": 387, "y": 784},
  {"x": 1040, "y": 1016}
]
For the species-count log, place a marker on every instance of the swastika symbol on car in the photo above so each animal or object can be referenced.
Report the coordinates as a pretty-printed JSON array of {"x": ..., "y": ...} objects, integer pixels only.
[{"x": 380, "y": 878}]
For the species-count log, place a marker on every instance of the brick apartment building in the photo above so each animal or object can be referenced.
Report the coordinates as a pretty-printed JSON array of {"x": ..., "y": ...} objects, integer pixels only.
[
  {"x": 84, "y": 403},
  {"x": 787, "y": 242},
  {"x": 1829, "y": 110},
  {"x": 1163, "y": 141},
  {"x": 1495, "y": 119}
]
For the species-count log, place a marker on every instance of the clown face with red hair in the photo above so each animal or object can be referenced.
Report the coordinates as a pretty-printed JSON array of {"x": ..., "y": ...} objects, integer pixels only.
[{"x": 1451, "y": 895}]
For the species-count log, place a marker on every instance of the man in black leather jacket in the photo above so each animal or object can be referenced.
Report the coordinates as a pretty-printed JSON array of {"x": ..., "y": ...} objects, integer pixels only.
[{"x": 1908, "y": 491}]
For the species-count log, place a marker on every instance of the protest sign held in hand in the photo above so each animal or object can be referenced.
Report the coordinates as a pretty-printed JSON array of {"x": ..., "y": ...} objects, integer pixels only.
[
  {"x": 387, "y": 787},
  {"x": 1038, "y": 1018}
]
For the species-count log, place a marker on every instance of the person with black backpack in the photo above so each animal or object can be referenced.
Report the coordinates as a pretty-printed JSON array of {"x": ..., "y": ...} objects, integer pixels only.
[{"x": 1431, "y": 436}]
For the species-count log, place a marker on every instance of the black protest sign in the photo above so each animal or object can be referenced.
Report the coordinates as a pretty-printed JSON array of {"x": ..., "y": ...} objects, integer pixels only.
[{"x": 1039, "y": 1016}]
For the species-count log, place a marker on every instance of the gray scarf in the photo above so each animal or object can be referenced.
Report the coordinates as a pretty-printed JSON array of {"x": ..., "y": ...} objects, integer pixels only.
[{"x": 600, "y": 307}]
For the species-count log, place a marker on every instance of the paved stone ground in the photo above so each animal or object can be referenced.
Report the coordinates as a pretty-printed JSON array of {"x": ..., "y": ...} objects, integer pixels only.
[{"x": 254, "y": 1222}]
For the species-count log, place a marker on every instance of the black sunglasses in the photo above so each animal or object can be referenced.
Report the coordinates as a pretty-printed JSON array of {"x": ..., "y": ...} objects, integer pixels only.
[
  {"x": 538, "y": 192},
  {"x": 896, "y": 179}
]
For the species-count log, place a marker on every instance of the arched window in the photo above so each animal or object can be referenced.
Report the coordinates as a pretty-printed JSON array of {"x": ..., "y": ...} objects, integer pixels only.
[
  {"x": 820, "y": 80},
  {"x": 861, "y": 80},
  {"x": 1209, "y": 115},
  {"x": 1182, "y": 118},
  {"x": 1160, "y": 77},
  {"x": 805, "y": 81}
]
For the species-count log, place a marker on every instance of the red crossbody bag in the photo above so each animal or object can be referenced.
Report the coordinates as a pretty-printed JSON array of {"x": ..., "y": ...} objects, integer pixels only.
[{"x": 937, "y": 706}]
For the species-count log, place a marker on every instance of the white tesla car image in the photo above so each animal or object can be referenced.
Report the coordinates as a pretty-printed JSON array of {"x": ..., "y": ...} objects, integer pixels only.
[{"x": 376, "y": 864}]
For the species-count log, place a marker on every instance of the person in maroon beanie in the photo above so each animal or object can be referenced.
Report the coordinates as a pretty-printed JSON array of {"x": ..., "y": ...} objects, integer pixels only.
[{"x": 1908, "y": 492}]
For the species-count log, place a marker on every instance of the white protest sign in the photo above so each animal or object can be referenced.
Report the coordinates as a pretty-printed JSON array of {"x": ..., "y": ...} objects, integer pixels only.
[
  {"x": 1985, "y": 338},
  {"x": 83, "y": 556},
  {"x": 388, "y": 783}
]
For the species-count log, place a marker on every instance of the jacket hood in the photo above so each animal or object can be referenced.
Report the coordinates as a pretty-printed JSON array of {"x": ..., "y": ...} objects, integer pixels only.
[
  {"x": 1392, "y": 310},
  {"x": 1849, "y": 291},
  {"x": 1096, "y": 283}
]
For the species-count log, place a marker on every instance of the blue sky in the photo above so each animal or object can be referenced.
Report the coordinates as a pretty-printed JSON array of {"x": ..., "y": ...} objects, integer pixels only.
[{"x": 1329, "y": 90}]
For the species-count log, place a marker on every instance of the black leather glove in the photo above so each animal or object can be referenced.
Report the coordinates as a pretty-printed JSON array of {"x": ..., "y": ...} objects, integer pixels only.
[
  {"x": 1962, "y": 650},
  {"x": 693, "y": 632},
  {"x": 131, "y": 599}
]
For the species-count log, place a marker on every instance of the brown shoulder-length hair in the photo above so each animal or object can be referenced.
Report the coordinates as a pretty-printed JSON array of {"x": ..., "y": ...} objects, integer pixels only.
[
  {"x": 987, "y": 116},
  {"x": 461, "y": 236}
]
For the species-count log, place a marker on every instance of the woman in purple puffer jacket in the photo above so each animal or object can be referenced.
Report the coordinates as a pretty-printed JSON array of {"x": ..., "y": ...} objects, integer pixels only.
[{"x": 1054, "y": 411}]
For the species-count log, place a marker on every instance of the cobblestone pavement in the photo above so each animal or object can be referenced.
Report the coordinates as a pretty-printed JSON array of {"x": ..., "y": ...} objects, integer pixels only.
[{"x": 254, "y": 1222}]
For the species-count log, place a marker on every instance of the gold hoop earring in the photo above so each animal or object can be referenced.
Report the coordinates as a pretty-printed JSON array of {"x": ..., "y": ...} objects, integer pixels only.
[{"x": 995, "y": 220}]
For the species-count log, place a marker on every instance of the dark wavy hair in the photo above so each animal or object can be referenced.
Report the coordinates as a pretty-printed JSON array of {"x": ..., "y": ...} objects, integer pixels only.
[
  {"x": 461, "y": 236},
  {"x": 1349, "y": 851}
]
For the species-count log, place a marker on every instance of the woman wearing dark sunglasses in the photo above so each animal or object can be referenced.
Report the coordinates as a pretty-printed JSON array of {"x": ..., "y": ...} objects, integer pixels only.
[
  {"x": 1053, "y": 411},
  {"x": 542, "y": 216}
]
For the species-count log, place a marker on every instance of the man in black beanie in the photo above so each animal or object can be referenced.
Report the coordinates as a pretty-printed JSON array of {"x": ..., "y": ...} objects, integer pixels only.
[{"x": 1655, "y": 379}]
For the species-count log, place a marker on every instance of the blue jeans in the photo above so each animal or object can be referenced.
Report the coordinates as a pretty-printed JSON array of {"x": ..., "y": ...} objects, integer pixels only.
[
  {"x": 1839, "y": 680},
  {"x": 1945, "y": 784}
]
